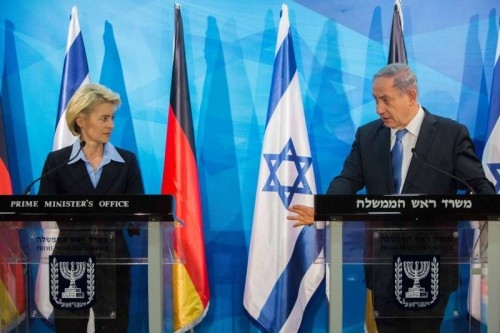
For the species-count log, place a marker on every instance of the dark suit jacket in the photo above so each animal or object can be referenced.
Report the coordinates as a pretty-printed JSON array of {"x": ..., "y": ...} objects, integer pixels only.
[
  {"x": 442, "y": 143},
  {"x": 112, "y": 281},
  {"x": 116, "y": 178}
]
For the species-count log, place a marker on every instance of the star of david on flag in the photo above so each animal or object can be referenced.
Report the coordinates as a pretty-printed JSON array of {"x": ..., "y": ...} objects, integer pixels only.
[
  {"x": 494, "y": 168},
  {"x": 275, "y": 162},
  {"x": 277, "y": 296},
  {"x": 478, "y": 287}
]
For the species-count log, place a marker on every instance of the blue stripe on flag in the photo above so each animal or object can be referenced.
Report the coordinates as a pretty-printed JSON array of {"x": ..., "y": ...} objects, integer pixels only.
[
  {"x": 476, "y": 305},
  {"x": 276, "y": 300},
  {"x": 494, "y": 110},
  {"x": 74, "y": 72},
  {"x": 285, "y": 67},
  {"x": 274, "y": 313},
  {"x": 491, "y": 153}
]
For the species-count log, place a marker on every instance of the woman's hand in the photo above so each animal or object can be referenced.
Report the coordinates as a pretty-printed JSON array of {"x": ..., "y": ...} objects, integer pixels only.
[{"x": 304, "y": 215}]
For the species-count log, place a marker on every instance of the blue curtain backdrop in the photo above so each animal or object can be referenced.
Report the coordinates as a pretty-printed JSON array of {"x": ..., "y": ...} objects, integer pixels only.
[{"x": 230, "y": 50}]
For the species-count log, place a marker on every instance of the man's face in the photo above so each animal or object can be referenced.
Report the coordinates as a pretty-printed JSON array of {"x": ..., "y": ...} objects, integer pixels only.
[{"x": 396, "y": 109}]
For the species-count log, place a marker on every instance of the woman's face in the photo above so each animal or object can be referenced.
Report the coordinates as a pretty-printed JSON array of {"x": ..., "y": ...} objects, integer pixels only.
[{"x": 97, "y": 127}]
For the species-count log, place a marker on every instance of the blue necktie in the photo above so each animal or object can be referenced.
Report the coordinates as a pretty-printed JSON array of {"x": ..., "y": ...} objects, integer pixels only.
[{"x": 397, "y": 158}]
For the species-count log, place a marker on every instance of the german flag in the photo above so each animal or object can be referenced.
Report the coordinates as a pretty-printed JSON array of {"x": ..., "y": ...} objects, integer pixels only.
[
  {"x": 191, "y": 292},
  {"x": 12, "y": 280}
]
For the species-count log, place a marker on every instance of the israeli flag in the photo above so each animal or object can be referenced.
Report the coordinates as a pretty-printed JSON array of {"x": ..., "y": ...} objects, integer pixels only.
[
  {"x": 281, "y": 273},
  {"x": 491, "y": 154},
  {"x": 75, "y": 74},
  {"x": 478, "y": 289}
]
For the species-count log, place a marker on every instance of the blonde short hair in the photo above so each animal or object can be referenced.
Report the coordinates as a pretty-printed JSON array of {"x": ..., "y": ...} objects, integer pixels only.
[{"x": 85, "y": 100}]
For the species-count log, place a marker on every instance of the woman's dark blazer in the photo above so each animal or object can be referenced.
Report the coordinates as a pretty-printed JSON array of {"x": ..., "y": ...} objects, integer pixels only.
[{"x": 116, "y": 177}]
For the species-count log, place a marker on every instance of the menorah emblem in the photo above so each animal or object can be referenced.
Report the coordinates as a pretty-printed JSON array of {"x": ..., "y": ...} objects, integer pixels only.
[
  {"x": 80, "y": 271},
  {"x": 416, "y": 271},
  {"x": 72, "y": 271},
  {"x": 419, "y": 276}
]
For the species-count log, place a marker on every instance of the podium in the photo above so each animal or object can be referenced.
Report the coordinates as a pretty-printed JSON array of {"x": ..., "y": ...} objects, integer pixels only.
[
  {"x": 412, "y": 252},
  {"x": 77, "y": 252}
]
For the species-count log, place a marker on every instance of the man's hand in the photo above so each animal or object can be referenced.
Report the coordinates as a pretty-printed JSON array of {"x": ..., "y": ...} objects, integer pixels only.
[{"x": 304, "y": 215}]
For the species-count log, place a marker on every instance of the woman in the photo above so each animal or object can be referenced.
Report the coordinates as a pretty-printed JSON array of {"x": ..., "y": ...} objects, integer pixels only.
[{"x": 95, "y": 167}]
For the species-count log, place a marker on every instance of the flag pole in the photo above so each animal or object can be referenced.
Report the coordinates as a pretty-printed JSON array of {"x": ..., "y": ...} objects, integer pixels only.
[{"x": 155, "y": 277}]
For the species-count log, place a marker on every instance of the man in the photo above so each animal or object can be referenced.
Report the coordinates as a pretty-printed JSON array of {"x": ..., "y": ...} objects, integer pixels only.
[{"x": 437, "y": 141}]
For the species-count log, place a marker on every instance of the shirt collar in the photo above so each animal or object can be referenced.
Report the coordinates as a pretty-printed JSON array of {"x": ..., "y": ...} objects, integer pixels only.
[
  {"x": 414, "y": 125},
  {"x": 109, "y": 153}
]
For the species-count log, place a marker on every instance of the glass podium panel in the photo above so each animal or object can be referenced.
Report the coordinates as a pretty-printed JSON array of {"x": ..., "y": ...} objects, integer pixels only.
[
  {"x": 411, "y": 271},
  {"x": 398, "y": 266},
  {"x": 13, "y": 294},
  {"x": 58, "y": 263},
  {"x": 478, "y": 297},
  {"x": 78, "y": 263}
]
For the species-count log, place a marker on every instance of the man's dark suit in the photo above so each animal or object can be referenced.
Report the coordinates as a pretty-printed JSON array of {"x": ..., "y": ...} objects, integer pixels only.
[
  {"x": 442, "y": 143},
  {"x": 112, "y": 281}
]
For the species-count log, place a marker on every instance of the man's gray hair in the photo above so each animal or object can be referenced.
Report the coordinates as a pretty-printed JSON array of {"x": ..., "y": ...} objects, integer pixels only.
[{"x": 404, "y": 78}]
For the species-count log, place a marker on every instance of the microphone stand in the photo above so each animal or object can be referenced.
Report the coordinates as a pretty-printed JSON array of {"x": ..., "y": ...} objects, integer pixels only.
[{"x": 27, "y": 190}]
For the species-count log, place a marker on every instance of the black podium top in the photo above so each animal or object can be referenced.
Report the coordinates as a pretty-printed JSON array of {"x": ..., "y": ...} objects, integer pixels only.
[
  {"x": 75, "y": 207},
  {"x": 410, "y": 207}
]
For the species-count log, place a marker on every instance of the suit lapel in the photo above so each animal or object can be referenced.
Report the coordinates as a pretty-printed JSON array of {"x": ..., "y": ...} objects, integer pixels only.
[
  {"x": 424, "y": 143},
  {"x": 110, "y": 173},
  {"x": 383, "y": 147},
  {"x": 78, "y": 172}
]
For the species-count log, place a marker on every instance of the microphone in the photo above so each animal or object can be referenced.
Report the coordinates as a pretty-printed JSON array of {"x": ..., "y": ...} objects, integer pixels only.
[
  {"x": 463, "y": 182},
  {"x": 27, "y": 190}
]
